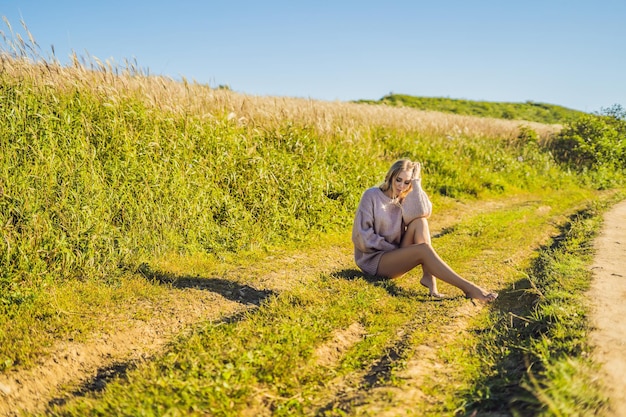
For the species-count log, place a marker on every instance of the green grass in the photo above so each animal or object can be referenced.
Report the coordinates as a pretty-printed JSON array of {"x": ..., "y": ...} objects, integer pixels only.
[
  {"x": 538, "y": 346},
  {"x": 113, "y": 187},
  {"x": 530, "y": 111},
  {"x": 224, "y": 367}
]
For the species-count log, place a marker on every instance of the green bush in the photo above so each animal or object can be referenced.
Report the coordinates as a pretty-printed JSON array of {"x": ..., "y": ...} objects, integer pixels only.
[{"x": 593, "y": 142}]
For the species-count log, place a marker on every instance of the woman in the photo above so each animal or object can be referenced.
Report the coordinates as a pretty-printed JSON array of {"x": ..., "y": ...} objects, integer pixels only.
[{"x": 387, "y": 246}]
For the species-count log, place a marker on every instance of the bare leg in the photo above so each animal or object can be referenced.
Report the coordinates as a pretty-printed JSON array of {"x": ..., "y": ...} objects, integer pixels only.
[
  {"x": 398, "y": 262},
  {"x": 418, "y": 232}
]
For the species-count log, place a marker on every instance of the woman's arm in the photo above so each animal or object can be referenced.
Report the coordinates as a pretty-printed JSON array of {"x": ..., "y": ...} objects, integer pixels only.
[{"x": 364, "y": 234}]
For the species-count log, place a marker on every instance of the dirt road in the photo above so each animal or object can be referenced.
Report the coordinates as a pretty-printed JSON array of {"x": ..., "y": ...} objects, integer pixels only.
[{"x": 608, "y": 300}]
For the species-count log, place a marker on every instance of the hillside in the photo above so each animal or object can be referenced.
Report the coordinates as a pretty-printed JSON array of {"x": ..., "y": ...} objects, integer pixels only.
[{"x": 530, "y": 111}]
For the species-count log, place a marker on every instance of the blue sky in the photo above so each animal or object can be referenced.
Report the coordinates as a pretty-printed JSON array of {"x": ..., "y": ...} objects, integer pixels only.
[{"x": 571, "y": 53}]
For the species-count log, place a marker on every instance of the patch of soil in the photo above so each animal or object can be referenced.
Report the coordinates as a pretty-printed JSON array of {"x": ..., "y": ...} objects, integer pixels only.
[
  {"x": 329, "y": 354},
  {"x": 426, "y": 363},
  {"x": 372, "y": 397},
  {"x": 608, "y": 300}
]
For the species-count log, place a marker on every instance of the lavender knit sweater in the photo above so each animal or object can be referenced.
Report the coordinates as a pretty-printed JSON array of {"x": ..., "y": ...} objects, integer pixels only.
[{"x": 373, "y": 238}]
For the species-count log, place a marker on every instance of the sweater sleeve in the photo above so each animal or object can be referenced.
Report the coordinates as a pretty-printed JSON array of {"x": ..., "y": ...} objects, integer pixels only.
[
  {"x": 416, "y": 203},
  {"x": 364, "y": 234}
]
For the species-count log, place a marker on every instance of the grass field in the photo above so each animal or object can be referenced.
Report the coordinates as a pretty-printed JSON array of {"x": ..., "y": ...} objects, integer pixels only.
[{"x": 172, "y": 249}]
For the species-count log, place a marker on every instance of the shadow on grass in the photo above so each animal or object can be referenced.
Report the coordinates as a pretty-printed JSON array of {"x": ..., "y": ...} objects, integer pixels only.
[
  {"x": 443, "y": 232},
  {"x": 387, "y": 284},
  {"x": 378, "y": 374},
  {"x": 96, "y": 384},
  {"x": 230, "y": 290},
  {"x": 503, "y": 392},
  {"x": 380, "y": 371}
]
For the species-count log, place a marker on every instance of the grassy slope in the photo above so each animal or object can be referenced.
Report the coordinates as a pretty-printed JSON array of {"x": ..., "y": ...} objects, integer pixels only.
[
  {"x": 102, "y": 171},
  {"x": 531, "y": 111}
]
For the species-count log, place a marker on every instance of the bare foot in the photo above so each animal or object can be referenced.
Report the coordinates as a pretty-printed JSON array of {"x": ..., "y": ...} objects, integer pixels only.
[
  {"x": 482, "y": 296},
  {"x": 429, "y": 282}
]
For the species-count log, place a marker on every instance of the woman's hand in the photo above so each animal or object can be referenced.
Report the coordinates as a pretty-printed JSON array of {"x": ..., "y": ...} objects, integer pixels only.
[{"x": 417, "y": 171}]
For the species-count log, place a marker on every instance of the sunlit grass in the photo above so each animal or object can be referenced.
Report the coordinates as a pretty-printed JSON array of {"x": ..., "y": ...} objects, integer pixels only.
[
  {"x": 264, "y": 361},
  {"x": 111, "y": 178},
  {"x": 538, "y": 344}
]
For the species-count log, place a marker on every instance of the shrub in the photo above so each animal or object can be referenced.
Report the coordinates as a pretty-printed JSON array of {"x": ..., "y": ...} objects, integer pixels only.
[{"x": 593, "y": 141}]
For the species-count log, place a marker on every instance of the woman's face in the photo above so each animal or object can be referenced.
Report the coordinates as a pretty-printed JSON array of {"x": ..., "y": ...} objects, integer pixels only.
[{"x": 401, "y": 182}]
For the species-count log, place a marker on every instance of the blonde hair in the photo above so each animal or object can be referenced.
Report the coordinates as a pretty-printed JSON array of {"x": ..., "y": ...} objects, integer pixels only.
[{"x": 397, "y": 167}]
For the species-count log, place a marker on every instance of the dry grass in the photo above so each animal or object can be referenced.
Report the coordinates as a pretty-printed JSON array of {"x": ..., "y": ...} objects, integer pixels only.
[{"x": 328, "y": 119}]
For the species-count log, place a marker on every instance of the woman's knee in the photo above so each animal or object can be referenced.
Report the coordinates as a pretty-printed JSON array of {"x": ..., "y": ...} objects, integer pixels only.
[{"x": 418, "y": 229}]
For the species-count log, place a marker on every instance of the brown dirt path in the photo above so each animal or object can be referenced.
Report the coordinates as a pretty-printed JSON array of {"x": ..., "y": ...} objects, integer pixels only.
[
  {"x": 608, "y": 301},
  {"x": 71, "y": 367}
]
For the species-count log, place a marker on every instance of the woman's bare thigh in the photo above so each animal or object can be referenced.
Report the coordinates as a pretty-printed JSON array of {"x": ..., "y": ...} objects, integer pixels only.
[{"x": 398, "y": 262}]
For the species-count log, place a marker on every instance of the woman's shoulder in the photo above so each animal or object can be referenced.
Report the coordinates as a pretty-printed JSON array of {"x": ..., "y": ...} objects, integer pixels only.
[
  {"x": 375, "y": 196},
  {"x": 373, "y": 193}
]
